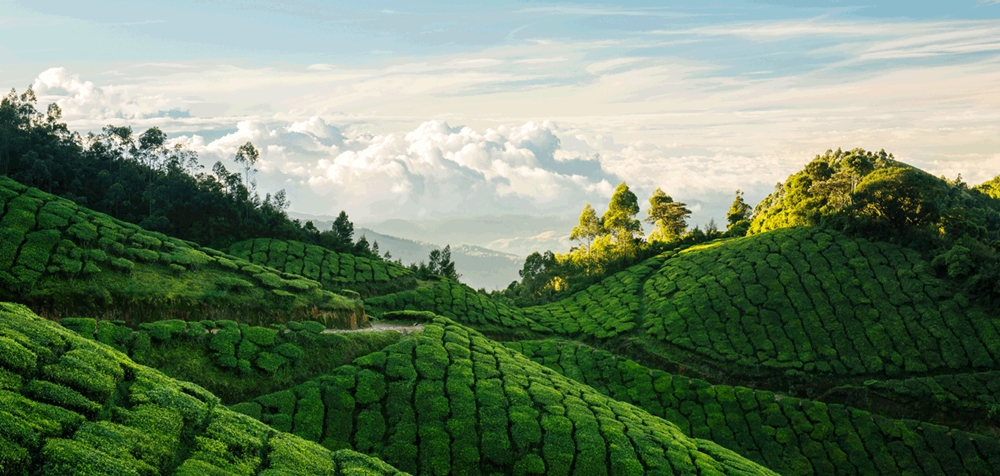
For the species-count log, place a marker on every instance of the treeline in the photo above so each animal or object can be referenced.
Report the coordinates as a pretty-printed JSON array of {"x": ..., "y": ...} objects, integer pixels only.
[
  {"x": 614, "y": 241},
  {"x": 140, "y": 179},
  {"x": 862, "y": 193}
]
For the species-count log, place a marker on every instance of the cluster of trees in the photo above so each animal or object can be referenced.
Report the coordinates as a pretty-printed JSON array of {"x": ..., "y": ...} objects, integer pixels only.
[
  {"x": 438, "y": 263},
  {"x": 615, "y": 240},
  {"x": 870, "y": 194},
  {"x": 139, "y": 178}
]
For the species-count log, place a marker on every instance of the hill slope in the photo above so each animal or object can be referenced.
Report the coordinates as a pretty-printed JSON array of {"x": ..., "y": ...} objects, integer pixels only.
[
  {"x": 62, "y": 259},
  {"x": 234, "y": 361},
  {"x": 809, "y": 300},
  {"x": 789, "y": 435},
  {"x": 795, "y": 299},
  {"x": 449, "y": 401},
  {"x": 335, "y": 271},
  {"x": 69, "y": 405}
]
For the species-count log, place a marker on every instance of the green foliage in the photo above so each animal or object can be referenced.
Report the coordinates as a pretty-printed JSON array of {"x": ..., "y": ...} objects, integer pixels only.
[
  {"x": 808, "y": 300},
  {"x": 150, "y": 424},
  {"x": 789, "y": 435},
  {"x": 332, "y": 271},
  {"x": 164, "y": 277},
  {"x": 437, "y": 402}
]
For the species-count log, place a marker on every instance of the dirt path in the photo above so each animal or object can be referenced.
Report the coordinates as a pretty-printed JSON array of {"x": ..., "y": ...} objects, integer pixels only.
[{"x": 380, "y": 326}]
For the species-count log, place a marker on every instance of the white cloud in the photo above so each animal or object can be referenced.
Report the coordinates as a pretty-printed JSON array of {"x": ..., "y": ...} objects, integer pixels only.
[
  {"x": 432, "y": 170},
  {"x": 81, "y": 99}
]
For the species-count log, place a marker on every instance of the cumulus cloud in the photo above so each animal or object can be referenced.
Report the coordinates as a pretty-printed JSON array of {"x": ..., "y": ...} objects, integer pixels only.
[
  {"x": 432, "y": 170},
  {"x": 85, "y": 100}
]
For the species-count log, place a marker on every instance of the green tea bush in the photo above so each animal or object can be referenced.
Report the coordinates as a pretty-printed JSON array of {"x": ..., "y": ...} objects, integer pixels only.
[
  {"x": 270, "y": 280},
  {"x": 809, "y": 300},
  {"x": 150, "y": 424},
  {"x": 123, "y": 265},
  {"x": 40, "y": 265},
  {"x": 790, "y": 435},
  {"x": 447, "y": 400},
  {"x": 460, "y": 302},
  {"x": 324, "y": 268}
]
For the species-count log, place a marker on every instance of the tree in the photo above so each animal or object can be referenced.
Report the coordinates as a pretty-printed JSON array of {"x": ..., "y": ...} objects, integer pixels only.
[
  {"x": 446, "y": 267},
  {"x": 670, "y": 217},
  {"x": 247, "y": 156},
  {"x": 343, "y": 233},
  {"x": 739, "y": 216},
  {"x": 589, "y": 229},
  {"x": 900, "y": 198},
  {"x": 362, "y": 248},
  {"x": 620, "y": 219}
]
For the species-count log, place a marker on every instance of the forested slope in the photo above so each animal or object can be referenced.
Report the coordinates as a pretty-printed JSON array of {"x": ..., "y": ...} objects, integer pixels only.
[
  {"x": 63, "y": 259},
  {"x": 789, "y": 435},
  {"x": 450, "y": 401},
  {"x": 71, "y": 406}
]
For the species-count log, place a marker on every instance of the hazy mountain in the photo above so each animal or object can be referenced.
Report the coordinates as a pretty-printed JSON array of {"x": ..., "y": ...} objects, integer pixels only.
[{"x": 480, "y": 266}]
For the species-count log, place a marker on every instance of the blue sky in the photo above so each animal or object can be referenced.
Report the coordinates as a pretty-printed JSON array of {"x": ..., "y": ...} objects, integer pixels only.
[{"x": 436, "y": 109}]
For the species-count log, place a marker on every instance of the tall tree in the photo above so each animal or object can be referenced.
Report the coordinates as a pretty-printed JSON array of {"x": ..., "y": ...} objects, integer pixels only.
[
  {"x": 620, "y": 219},
  {"x": 739, "y": 216},
  {"x": 446, "y": 267},
  {"x": 669, "y": 217},
  {"x": 589, "y": 229},
  {"x": 343, "y": 233},
  {"x": 247, "y": 157}
]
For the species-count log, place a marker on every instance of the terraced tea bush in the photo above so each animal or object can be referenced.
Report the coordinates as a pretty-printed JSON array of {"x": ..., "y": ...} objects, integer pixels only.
[
  {"x": 235, "y": 362},
  {"x": 459, "y": 302},
  {"x": 789, "y": 435},
  {"x": 807, "y": 300},
  {"x": 973, "y": 391},
  {"x": 76, "y": 407},
  {"x": 334, "y": 271},
  {"x": 449, "y": 401},
  {"x": 48, "y": 243},
  {"x": 603, "y": 310}
]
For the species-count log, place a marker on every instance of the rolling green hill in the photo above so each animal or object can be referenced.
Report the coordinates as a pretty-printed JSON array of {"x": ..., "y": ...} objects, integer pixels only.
[
  {"x": 449, "y": 401},
  {"x": 72, "y": 406},
  {"x": 234, "y": 361},
  {"x": 805, "y": 299},
  {"x": 789, "y": 435},
  {"x": 335, "y": 271},
  {"x": 62, "y": 259}
]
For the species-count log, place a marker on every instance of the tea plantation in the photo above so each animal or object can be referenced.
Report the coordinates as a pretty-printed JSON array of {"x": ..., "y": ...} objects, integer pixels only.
[
  {"x": 459, "y": 302},
  {"x": 807, "y": 300},
  {"x": 72, "y": 406},
  {"x": 450, "y": 401},
  {"x": 335, "y": 271},
  {"x": 63, "y": 259},
  {"x": 234, "y": 361},
  {"x": 789, "y": 435}
]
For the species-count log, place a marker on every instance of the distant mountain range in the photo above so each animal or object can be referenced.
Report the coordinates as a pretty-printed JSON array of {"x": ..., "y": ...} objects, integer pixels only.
[{"x": 488, "y": 251}]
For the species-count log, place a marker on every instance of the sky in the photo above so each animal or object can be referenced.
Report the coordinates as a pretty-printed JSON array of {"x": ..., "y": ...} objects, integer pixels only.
[{"x": 431, "y": 110}]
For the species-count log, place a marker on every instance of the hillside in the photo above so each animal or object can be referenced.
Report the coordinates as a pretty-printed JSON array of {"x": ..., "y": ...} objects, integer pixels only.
[
  {"x": 334, "y": 271},
  {"x": 754, "y": 305},
  {"x": 789, "y": 435},
  {"x": 234, "y": 361},
  {"x": 71, "y": 406},
  {"x": 480, "y": 266},
  {"x": 449, "y": 401},
  {"x": 62, "y": 259}
]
